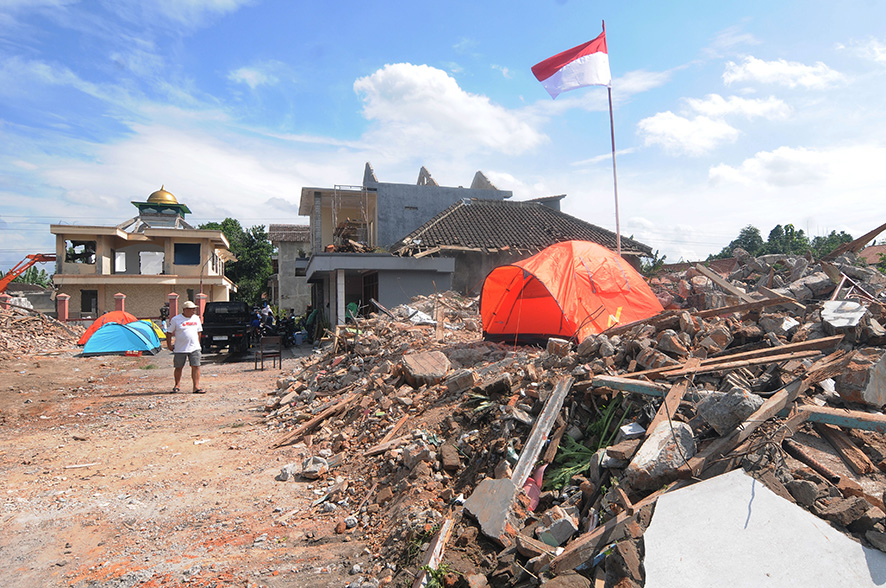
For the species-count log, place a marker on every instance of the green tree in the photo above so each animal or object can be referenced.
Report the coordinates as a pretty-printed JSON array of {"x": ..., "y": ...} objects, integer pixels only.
[
  {"x": 749, "y": 239},
  {"x": 821, "y": 246},
  {"x": 34, "y": 276},
  {"x": 253, "y": 251},
  {"x": 787, "y": 240}
]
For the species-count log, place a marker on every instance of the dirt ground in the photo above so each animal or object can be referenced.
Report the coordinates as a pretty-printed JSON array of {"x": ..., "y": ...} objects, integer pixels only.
[{"x": 108, "y": 480}]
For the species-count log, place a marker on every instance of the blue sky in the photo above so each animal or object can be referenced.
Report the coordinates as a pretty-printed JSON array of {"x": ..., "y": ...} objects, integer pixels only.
[{"x": 726, "y": 114}]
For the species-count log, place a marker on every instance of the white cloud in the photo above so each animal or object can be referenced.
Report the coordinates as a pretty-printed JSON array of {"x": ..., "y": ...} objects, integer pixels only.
[
  {"x": 832, "y": 171},
  {"x": 640, "y": 80},
  {"x": 504, "y": 71},
  {"x": 253, "y": 77},
  {"x": 784, "y": 167},
  {"x": 188, "y": 12},
  {"x": 782, "y": 72},
  {"x": 730, "y": 38},
  {"x": 872, "y": 49},
  {"x": 604, "y": 158},
  {"x": 678, "y": 134},
  {"x": 715, "y": 106},
  {"x": 418, "y": 109}
]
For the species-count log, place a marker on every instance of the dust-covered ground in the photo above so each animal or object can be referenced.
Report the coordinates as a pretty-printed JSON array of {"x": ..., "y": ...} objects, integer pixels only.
[{"x": 110, "y": 480}]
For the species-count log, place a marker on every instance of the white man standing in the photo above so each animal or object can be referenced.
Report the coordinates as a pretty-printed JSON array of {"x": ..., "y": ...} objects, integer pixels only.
[{"x": 185, "y": 329}]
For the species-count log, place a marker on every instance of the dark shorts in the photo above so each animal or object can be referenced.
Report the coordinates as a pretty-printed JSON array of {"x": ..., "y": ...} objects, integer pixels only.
[{"x": 193, "y": 358}]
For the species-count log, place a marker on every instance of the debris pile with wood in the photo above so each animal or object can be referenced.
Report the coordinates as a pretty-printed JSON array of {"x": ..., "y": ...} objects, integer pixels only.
[
  {"x": 28, "y": 332},
  {"x": 470, "y": 463}
]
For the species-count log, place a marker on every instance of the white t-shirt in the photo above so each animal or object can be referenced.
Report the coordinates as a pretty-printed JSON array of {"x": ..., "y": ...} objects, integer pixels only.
[{"x": 186, "y": 332}]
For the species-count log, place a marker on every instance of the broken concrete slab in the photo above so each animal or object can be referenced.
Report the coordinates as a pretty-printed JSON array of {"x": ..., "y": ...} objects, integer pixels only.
[
  {"x": 724, "y": 410},
  {"x": 658, "y": 459},
  {"x": 840, "y": 316},
  {"x": 460, "y": 381},
  {"x": 556, "y": 526},
  {"x": 425, "y": 368},
  {"x": 497, "y": 507},
  {"x": 752, "y": 538},
  {"x": 864, "y": 379}
]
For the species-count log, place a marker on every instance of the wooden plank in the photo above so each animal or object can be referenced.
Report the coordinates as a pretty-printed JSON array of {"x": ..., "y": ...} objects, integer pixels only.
[
  {"x": 394, "y": 430},
  {"x": 587, "y": 545},
  {"x": 551, "y": 451},
  {"x": 660, "y": 317},
  {"x": 629, "y": 385},
  {"x": 856, "y": 245},
  {"x": 715, "y": 278},
  {"x": 819, "y": 344},
  {"x": 740, "y": 308},
  {"x": 438, "y": 318},
  {"x": 850, "y": 419},
  {"x": 727, "y": 443},
  {"x": 669, "y": 407},
  {"x": 430, "y": 251},
  {"x": 540, "y": 429},
  {"x": 382, "y": 447},
  {"x": 309, "y": 425},
  {"x": 731, "y": 365},
  {"x": 854, "y": 457},
  {"x": 772, "y": 295},
  {"x": 434, "y": 554},
  {"x": 822, "y": 369}
]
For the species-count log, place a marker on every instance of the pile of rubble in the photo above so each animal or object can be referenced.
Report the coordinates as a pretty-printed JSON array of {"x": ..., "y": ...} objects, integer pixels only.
[
  {"x": 464, "y": 462},
  {"x": 26, "y": 332}
]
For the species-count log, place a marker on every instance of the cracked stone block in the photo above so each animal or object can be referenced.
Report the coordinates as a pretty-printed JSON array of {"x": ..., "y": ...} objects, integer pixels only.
[
  {"x": 556, "y": 526},
  {"x": 663, "y": 452},
  {"x": 425, "y": 368},
  {"x": 864, "y": 379},
  {"x": 500, "y": 508},
  {"x": 724, "y": 410}
]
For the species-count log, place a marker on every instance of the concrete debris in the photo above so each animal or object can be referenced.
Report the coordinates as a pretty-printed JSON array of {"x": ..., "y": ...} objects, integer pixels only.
[
  {"x": 432, "y": 428},
  {"x": 27, "y": 333}
]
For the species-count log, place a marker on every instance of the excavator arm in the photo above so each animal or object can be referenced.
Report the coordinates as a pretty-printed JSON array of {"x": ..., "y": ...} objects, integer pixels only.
[{"x": 22, "y": 266}]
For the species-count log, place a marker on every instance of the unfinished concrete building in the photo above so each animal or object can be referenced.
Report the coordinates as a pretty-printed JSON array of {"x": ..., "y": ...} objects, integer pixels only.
[{"x": 145, "y": 258}]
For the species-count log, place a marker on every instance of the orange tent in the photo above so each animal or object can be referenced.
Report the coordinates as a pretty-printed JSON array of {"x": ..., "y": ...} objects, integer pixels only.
[
  {"x": 570, "y": 290},
  {"x": 115, "y": 316}
]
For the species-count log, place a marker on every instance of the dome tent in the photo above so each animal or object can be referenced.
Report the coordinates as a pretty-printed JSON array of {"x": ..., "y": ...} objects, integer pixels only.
[
  {"x": 117, "y": 339},
  {"x": 570, "y": 290},
  {"x": 115, "y": 316}
]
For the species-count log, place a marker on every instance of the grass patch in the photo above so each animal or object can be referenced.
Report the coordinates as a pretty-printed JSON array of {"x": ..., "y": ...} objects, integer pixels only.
[{"x": 149, "y": 366}]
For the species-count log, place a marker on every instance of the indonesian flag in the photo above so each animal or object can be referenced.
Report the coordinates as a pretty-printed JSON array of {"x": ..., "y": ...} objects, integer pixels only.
[{"x": 585, "y": 65}]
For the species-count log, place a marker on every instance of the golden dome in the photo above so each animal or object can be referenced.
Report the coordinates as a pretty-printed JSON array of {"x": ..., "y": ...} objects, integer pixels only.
[{"x": 161, "y": 196}]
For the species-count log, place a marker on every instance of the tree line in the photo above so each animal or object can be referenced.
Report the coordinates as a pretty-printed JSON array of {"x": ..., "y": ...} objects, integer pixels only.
[{"x": 784, "y": 239}]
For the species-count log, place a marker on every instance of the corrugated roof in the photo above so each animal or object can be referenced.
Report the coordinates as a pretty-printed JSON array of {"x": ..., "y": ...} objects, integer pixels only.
[
  {"x": 291, "y": 233},
  {"x": 498, "y": 224}
]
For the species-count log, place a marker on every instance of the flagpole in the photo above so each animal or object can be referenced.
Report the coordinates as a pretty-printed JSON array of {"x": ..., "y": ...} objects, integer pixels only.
[{"x": 614, "y": 174}]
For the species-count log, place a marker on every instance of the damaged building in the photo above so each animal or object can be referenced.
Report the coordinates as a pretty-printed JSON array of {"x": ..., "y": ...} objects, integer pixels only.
[{"x": 146, "y": 258}]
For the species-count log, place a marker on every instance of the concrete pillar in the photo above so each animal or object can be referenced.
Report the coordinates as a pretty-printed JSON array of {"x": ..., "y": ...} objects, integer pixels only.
[
  {"x": 340, "y": 297},
  {"x": 62, "y": 307},
  {"x": 120, "y": 301},
  {"x": 317, "y": 223},
  {"x": 201, "y": 303},
  {"x": 4, "y": 300},
  {"x": 173, "y": 304}
]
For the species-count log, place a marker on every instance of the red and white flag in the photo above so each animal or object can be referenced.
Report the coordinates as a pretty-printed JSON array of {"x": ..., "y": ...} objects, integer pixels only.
[{"x": 585, "y": 65}]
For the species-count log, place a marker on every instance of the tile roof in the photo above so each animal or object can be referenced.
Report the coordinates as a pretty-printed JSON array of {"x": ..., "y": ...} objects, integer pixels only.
[
  {"x": 293, "y": 233},
  {"x": 872, "y": 253},
  {"x": 497, "y": 224}
]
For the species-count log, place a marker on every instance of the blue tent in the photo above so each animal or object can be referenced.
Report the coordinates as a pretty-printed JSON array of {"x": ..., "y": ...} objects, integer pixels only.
[{"x": 117, "y": 339}]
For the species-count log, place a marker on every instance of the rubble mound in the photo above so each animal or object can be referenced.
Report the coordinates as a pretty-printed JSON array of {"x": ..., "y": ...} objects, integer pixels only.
[
  {"x": 27, "y": 333},
  {"x": 465, "y": 462}
]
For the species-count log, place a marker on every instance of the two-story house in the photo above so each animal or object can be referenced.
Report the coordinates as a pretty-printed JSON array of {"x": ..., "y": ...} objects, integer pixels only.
[
  {"x": 146, "y": 258},
  {"x": 353, "y": 228}
]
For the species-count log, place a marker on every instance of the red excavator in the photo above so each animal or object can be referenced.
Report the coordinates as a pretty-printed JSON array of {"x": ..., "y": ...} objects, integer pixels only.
[{"x": 22, "y": 266}]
